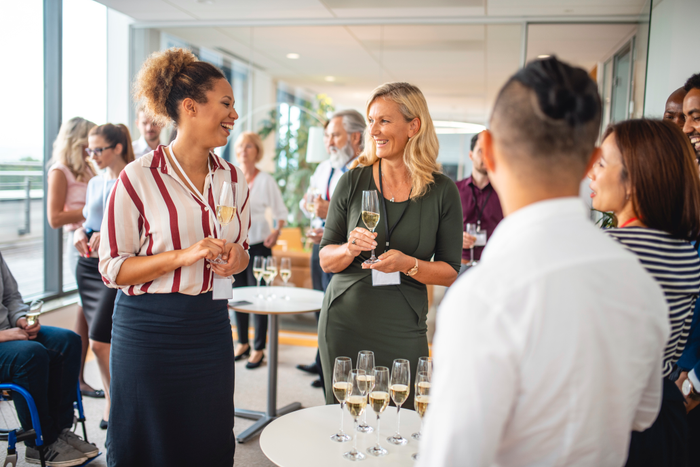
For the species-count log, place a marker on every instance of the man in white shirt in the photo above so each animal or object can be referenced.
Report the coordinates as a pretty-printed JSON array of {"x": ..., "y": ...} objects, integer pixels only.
[
  {"x": 344, "y": 138},
  {"x": 549, "y": 352},
  {"x": 150, "y": 133}
]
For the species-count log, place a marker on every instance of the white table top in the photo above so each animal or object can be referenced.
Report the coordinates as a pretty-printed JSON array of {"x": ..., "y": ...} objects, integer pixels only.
[
  {"x": 302, "y": 438},
  {"x": 301, "y": 300}
]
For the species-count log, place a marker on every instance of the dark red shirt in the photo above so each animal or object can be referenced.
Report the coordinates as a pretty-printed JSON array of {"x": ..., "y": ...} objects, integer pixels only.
[{"x": 476, "y": 202}]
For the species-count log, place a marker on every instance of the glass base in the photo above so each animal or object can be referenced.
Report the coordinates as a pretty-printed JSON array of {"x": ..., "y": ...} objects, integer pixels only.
[
  {"x": 416, "y": 436},
  {"x": 217, "y": 260},
  {"x": 414, "y": 456},
  {"x": 371, "y": 261},
  {"x": 377, "y": 451},
  {"x": 397, "y": 440},
  {"x": 354, "y": 455},
  {"x": 340, "y": 437},
  {"x": 364, "y": 428}
]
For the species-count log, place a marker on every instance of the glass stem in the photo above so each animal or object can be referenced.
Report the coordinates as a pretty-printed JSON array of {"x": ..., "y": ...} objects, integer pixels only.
[
  {"x": 378, "y": 420},
  {"x": 398, "y": 421},
  {"x": 342, "y": 417},
  {"x": 354, "y": 438},
  {"x": 471, "y": 253}
]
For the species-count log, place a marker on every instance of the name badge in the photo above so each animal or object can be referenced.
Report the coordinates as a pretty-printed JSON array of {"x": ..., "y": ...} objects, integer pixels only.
[
  {"x": 223, "y": 289},
  {"x": 480, "y": 238},
  {"x": 383, "y": 278}
]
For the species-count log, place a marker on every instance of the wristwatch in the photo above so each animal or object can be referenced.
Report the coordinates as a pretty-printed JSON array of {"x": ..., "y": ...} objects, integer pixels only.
[
  {"x": 689, "y": 390},
  {"x": 414, "y": 270}
]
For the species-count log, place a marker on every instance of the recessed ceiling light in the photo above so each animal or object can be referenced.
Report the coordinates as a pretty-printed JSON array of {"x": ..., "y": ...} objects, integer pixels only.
[
  {"x": 544, "y": 56},
  {"x": 330, "y": 79},
  {"x": 292, "y": 56}
]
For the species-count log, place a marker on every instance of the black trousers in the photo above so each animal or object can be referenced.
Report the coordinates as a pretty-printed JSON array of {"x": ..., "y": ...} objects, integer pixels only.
[{"x": 243, "y": 279}]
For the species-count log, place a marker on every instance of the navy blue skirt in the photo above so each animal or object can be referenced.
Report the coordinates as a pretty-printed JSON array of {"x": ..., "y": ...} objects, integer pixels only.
[{"x": 172, "y": 382}]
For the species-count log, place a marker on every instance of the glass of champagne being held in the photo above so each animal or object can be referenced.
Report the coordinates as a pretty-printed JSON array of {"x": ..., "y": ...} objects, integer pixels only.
[
  {"x": 399, "y": 390},
  {"x": 270, "y": 273},
  {"x": 357, "y": 402},
  {"x": 341, "y": 391},
  {"x": 379, "y": 400},
  {"x": 34, "y": 312},
  {"x": 471, "y": 230},
  {"x": 370, "y": 216},
  {"x": 258, "y": 269},
  {"x": 286, "y": 272},
  {"x": 225, "y": 210},
  {"x": 365, "y": 361},
  {"x": 421, "y": 401}
]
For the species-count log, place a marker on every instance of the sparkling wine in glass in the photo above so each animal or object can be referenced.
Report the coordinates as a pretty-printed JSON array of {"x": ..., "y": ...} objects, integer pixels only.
[
  {"x": 225, "y": 210},
  {"x": 357, "y": 402},
  {"x": 471, "y": 230},
  {"x": 286, "y": 272},
  {"x": 341, "y": 390},
  {"x": 379, "y": 400},
  {"x": 421, "y": 401},
  {"x": 34, "y": 312},
  {"x": 370, "y": 216},
  {"x": 258, "y": 269},
  {"x": 269, "y": 273},
  {"x": 310, "y": 201},
  {"x": 425, "y": 365},
  {"x": 365, "y": 361},
  {"x": 399, "y": 389}
]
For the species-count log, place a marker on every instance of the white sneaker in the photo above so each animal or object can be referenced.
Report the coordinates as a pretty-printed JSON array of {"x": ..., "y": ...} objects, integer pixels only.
[
  {"x": 57, "y": 454},
  {"x": 79, "y": 444}
]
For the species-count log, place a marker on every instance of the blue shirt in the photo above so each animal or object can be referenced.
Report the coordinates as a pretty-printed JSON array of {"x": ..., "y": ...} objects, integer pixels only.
[{"x": 96, "y": 198}]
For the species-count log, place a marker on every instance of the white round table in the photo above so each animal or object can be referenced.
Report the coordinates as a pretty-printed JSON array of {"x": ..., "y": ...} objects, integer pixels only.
[
  {"x": 245, "y": 300},
  {"x": 302, "y": 438}
]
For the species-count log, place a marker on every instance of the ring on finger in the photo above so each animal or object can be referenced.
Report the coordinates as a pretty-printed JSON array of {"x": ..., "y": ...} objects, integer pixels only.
[{"x": 353, "y": 241}]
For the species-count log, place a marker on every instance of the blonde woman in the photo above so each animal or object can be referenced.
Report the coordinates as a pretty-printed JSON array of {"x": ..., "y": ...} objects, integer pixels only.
[
  {"x": 422, "y": 210},
  {"x": 69, "y": 173},
  {"x": 264, "y": 194}
]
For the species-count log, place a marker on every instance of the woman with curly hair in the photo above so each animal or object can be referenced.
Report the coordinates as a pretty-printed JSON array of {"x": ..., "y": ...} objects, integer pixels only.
[{"x": 172, "y": 348}]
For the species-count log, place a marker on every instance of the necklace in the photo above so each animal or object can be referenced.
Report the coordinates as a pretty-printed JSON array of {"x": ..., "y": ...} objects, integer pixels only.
[{"x": 390, "y": 190}]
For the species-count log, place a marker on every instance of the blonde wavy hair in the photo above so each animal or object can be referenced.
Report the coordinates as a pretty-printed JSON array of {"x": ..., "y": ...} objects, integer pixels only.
[
  {"x": 421, "y": 152},
  {"x": 69, "y": 147},
  {"x": 253, "y": 138}
]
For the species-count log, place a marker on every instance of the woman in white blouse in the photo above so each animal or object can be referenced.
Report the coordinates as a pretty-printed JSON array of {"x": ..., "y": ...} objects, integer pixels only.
[{"x": 264, "y": 194}]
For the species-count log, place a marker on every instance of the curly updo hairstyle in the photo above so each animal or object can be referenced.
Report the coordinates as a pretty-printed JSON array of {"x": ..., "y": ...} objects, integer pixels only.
[{"x": 169, "y": 77}]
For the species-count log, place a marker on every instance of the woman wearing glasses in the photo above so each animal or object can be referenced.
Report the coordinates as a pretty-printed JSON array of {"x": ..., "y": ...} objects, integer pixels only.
[
  {"x": 383, "y": 307},
  {"x": 110, "y": 148}
]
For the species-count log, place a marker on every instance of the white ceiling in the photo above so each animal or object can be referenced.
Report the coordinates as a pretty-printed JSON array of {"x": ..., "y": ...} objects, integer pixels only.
[{"x": 459, "y": 67}]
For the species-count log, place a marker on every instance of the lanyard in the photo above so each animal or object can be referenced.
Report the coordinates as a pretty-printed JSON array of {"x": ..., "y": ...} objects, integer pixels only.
[
  {"x": 483, "y": 206},
  {"x": 195, "y": 191},
  {"x": 384, "y": 215}
]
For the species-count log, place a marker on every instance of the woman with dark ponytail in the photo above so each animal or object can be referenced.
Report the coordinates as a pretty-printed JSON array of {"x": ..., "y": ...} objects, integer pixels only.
[
  {"x": 172, "y": 348},
  {"x": 109, "y": 146}
]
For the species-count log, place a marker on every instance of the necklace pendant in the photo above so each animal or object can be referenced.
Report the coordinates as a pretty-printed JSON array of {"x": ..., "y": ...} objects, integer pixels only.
[{"x": 392, "y": 199}]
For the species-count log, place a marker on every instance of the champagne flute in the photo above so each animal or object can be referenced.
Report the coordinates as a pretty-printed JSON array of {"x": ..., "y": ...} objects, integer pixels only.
[
  {"x": 34, "y": 312},
  {"x": 365, "y": 361},
  {"x": 341, "y": 391},
  {"x": 425, "y": 365},
  {"x": 286, "y": 272},
  {"x": 225, "y": 210},
  {"x": 310, "y": 201},
  {"x": 357, "y": 402},
  {"x": 370, "y": 216},
  {"x": 270, "y": 273},
  {"x": 379, "y": 400},
  {"x": 399, "y": 390},
  {"x": 421, "y": 401},
  {"x": 471, "y": 230},
  {"x": 258, "y": 268}
]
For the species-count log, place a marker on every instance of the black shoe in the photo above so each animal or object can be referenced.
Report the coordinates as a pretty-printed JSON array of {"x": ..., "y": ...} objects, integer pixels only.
[
  {"x": 316, "y": 383},
  {"x": 251, "y": 365},
  {"x": 312, "y": 368},
  {"x": 104, "y": 424},
  {"x": 241, "y": 356}
]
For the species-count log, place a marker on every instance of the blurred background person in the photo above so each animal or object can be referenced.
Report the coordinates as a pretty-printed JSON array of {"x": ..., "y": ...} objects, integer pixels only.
[
  {"x": 419, "y": 236},
  {"x": 70, "y": 169},
  {"x": 673, "y": 110},
  {"x": 691, "y": 111},
  {"x": 480, "y": 204},
  {"x": 110, "y": 149},
  {"x": 344, "y": 139},
  {"x": 264, "y": 194},
  {"x": 647, "y": 177},
  {"x": 150, "y": 133}
]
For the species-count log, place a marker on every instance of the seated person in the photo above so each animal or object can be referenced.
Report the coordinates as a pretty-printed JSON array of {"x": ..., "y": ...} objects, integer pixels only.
[{"x": 45, "y": 361}]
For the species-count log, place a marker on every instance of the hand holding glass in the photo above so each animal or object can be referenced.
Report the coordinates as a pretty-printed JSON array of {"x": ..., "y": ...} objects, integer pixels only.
[
  {"x": 34, "y": 312},
  {"x": 370, "y": 216},
  {"x": 225, "y": 210},
  {"x": 341, "y": 391}
]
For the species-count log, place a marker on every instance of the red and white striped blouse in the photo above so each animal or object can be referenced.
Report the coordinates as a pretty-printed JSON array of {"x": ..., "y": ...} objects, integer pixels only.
[{"x": 152, "y": 211}]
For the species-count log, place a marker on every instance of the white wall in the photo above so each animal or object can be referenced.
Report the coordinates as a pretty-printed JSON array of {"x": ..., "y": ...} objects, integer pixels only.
[
  {"x": 263, "y": 97},
  {"x": 674, "y": 53},
  {"x": 118, "y": 79}
]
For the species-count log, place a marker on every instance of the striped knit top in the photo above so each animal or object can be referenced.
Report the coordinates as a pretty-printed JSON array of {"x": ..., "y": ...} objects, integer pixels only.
[{"x": 675, "y": 265}]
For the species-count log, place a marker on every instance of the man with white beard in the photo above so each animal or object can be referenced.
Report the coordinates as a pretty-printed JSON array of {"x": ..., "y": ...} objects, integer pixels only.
[{"x": 344, "y": 137}]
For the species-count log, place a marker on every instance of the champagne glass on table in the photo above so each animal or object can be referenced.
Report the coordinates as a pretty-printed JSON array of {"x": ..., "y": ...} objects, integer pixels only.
[
  {"x": 370, "y": 216},
  {"x": 399, "y": 390},
  {"x": 34, "y": 312},
  {"x": 270, "y": 273},
  {"x": 341, "y": 391},
  {"x": 365, "y": 361},
  {"x": 379, "y": 400},
  {"x": 471, "y": 230},
  {"x": 258, "y": 269},
  {"x": 421, "y": 400},
  {"x": 357, "y": 402},
  {"x": 425, "y": 365},
  {"x": 286, "y": 272},
  {"x": 225, "y": 210}
]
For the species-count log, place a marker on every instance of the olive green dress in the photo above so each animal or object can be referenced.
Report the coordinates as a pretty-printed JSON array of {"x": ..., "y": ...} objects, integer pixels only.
[{"x": 390, "y": 320}]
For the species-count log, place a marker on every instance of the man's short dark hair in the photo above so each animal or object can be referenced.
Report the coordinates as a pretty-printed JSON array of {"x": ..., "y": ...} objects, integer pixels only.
[
  {"x": 692, "y": 83},
  {"x": 475, "y": 138}
]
